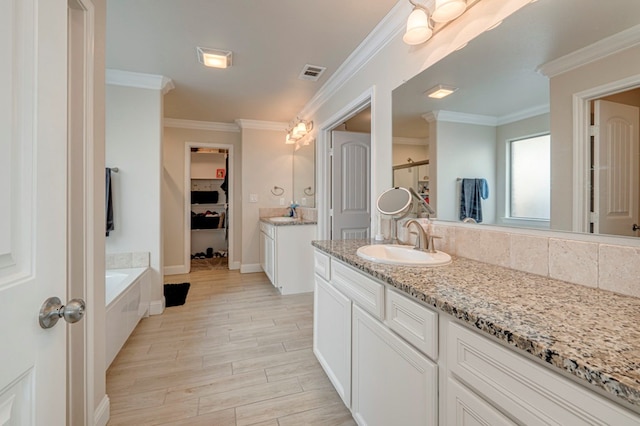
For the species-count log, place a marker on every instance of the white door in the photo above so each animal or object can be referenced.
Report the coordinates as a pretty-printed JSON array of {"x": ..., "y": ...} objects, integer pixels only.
[
  {"x": 351, "y": 185},
  {"x": 33, "y": 228},
  {"x": 616, "y": 168}
]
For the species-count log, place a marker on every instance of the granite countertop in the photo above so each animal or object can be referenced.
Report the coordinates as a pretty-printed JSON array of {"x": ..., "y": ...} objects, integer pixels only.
[
  {"x": 589, "y": 333},
  {"x": 288, "y": 223}
]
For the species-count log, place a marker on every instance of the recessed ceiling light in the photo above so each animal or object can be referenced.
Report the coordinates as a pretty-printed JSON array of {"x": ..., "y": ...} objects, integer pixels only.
[
  {"x": 440, "y": 91},
  {"x": 214, "y": 58}
]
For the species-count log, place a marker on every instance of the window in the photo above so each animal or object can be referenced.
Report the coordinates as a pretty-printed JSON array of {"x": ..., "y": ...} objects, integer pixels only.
[{"x": 530, "y": 178}]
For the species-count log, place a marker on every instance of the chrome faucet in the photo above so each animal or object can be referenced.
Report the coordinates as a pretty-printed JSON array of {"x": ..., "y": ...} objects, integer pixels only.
[{"x": 422, "y": 239}]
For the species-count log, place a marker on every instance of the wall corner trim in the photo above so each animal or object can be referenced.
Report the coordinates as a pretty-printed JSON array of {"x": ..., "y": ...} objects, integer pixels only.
[
  {"x": 139, "y": 80},
  {"x": 156, "y": 307},
  {"x": 103, "y": 412}
]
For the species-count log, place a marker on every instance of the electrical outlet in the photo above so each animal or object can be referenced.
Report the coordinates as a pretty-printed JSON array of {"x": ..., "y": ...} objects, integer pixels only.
[{"x": 253, "y": 198}]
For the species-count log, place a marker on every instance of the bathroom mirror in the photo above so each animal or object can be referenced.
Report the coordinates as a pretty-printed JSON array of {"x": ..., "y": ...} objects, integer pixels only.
[
  {"x": 508, "y": 89},
  {"x": 304, "y": 172},
  {"x": 394, "y": 201}
]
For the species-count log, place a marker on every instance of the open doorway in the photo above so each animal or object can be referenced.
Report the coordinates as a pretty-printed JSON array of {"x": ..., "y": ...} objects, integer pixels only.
[
  {"x": 344, "y": 171},
  {"x": 607, "y": 159},
  {"x": 208, "y": 206}
]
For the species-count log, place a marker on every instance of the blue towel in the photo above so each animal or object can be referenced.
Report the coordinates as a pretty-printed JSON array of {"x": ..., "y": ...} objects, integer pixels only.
[{"x": 472, "y": 191}]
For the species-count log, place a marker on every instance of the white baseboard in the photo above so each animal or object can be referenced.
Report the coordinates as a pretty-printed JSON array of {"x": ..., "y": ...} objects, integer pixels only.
[
  {"x": 250, "y": 268},
  {"x": 156, "y": 307},
  {"x": 175, "y": 270},
  {"x": 102, "y": 413},
  {"x": 234, "y": 266}
]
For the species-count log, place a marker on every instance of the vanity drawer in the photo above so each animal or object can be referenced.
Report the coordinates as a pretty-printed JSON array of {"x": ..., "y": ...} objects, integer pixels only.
[
  {"x": 322, "y": 264},
  {"x": 364, "y": 291},
  {"x": 528, "y": 392},
  {"x": 416, "y": 323}
]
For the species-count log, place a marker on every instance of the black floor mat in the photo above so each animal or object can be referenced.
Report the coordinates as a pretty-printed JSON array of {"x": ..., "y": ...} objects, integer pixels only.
[{"x": 175, "y": 294}]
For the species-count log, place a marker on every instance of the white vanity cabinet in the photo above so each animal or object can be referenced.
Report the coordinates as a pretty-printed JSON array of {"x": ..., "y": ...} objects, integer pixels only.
[
  {"x": 525, "y": 391},
  {"x": 380, "y": 376},
  {"x": 286, "y": 256},
  {"x": 396, "y": 361}
]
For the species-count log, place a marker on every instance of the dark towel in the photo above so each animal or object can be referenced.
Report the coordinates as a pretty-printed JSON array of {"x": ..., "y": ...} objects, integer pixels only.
[
  {"x": 472, "y": 191},
  {"x": 108, "y": 202},
  {"x": 225, "y": 183}
]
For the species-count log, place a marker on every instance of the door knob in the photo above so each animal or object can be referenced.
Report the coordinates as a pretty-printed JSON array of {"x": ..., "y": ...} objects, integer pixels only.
[
  {"x": 52, "y": 310},
  {"x": 635, "y": 227}
]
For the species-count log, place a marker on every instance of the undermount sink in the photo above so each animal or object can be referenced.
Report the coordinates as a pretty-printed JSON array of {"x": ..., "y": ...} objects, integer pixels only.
[
  {"x": 396, "y": 254},
  {"x": 282, "y": 219}
]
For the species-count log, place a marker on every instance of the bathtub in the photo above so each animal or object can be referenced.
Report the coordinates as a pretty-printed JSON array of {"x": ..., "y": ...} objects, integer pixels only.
[{"x": 127, "y": 301}]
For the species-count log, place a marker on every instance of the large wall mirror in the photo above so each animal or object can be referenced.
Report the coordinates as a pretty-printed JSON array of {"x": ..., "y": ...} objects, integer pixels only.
[
  {"x": 525, "y": 92},
  {"x": 304, "y": 173}
]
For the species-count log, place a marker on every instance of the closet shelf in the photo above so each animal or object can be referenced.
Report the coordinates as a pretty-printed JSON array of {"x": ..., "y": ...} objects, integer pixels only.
[
  {"x": 206, "y": 229},
  {"x": 210, "y": 204}
]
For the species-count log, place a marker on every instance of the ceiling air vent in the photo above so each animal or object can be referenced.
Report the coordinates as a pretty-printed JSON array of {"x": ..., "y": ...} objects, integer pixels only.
[{"x": 311, "y": 72}]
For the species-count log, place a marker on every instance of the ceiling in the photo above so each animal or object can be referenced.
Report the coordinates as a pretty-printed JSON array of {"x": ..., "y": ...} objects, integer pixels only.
[
  {"x": 271, "y": 41},
  {"x": 496, "y": 73}
]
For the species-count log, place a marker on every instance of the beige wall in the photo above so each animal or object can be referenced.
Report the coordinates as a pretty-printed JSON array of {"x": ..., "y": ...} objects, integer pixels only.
[
  {"x": 266, "y": 162},
  {"x": 563, "y": 87},
  {"x": 173, "y": 196},
  {"x": 133, "y": 144}
]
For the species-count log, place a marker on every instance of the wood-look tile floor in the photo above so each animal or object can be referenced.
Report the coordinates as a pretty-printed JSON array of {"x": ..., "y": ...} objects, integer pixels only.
[{"x": 236, "y": 353}]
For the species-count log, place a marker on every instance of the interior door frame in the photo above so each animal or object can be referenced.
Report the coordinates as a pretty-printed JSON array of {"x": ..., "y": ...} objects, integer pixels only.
[
  {"x": 81, "y": 358},
  {"x": 581, "y": 216},
  {"x": 187, "y": 202},
  {"x": 323, "y": 154}
]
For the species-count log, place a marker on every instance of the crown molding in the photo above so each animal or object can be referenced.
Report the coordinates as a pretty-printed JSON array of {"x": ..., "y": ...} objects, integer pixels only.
[
  {"x": 261, "y": 125},
  {"x": 200, "y": 125},
  {"x": 460, "y": 117},
  {"x": 139, "y": 80},
  {"x": 410, "y": 141},
  {"x": 524, "y": 114},
  {"x": 390, "y": 26},
  {"x": 598, "y": 50}
]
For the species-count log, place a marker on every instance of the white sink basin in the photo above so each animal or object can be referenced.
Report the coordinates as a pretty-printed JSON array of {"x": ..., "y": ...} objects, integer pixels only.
[
  {"x": 396, "y": 254},
  {"x": 282, "y": 219}
]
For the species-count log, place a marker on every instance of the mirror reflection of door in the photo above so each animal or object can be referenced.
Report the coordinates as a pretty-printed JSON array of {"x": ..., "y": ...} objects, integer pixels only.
[
  {"x": 351, "y": 185},
  {"x": 615, "y": 152}
]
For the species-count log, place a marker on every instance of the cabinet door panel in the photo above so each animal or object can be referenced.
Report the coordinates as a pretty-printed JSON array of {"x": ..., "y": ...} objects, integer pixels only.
[
  {"x": 332, "y": 336},
  {"x": 393, "y": 384},
  {"x": 464, "y": 408}
]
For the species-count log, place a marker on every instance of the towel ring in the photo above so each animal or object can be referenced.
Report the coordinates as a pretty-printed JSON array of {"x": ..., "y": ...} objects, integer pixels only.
[
  {"x": 308, "y": 190},
  {"x": 277, "y": 191}
]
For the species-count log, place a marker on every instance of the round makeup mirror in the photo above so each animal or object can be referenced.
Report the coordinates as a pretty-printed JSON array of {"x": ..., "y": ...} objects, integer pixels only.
[
  {"x": 394, "y": 201},
  {"x": 397, "y": 203}
]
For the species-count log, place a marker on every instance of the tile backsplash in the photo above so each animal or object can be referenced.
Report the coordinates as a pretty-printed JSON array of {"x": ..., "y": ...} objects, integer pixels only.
[
  {"x": 590, "y": 263},
  {"x": 127, "y": 260}
]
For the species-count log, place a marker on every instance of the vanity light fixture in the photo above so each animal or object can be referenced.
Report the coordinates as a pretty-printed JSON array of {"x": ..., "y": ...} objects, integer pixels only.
[
  {"x": 214, "y": 58},
  {"x": 298, "y": 131},
  {"x": 440, "y": 91},
  {"x": 448, "y": 10},
  {"x": 419, "y": 27}
]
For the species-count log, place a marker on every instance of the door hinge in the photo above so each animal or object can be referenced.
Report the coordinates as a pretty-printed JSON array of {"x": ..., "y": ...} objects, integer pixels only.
[
  {"x": 593, "y": 217},
  {"x": 330, "y": 152},
  {"x": 593, "y": 130}
]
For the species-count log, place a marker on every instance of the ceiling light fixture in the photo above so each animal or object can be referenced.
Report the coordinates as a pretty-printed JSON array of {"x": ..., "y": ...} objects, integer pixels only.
[
  {"x": 440, "y": 91},
  {"x": 214, "y": 58},
  {"x": 298, "y": 131},
  {"x": 419, "y": 26}
]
